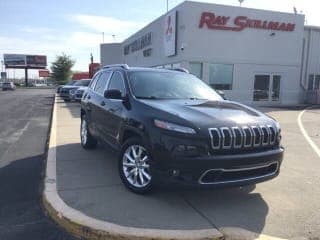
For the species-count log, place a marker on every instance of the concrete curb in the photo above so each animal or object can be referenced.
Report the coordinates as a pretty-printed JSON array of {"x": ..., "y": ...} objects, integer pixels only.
[{"x": 83, "y": 226}]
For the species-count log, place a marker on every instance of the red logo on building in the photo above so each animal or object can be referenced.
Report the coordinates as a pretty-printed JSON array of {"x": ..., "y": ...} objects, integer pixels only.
[
  {"x": 169, "y": 29},
  {"x": 211, "y": 21}
]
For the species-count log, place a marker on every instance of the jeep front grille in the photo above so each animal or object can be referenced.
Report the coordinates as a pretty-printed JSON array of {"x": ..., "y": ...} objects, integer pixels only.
[{"x": 242, "y": 137}]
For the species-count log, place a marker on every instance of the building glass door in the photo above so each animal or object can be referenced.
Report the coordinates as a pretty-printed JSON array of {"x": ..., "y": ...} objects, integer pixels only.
[{"x": 266, "y": 88}]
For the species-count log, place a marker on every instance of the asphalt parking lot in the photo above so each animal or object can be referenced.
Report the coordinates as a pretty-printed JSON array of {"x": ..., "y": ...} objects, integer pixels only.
[
  {"x": 24, "y": 123},
  {"x": 286, "y": 207}
]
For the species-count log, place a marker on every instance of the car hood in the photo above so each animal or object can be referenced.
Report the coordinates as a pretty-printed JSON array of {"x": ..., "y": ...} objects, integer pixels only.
[
  {"x": 82, "y": 88},
  {"x": 205, "y": 114},
  {"x": 71, "y": 87}
]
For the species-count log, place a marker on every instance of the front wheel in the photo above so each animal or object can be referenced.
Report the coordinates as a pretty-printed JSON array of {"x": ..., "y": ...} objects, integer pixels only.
[
  {"x": 87, "y": 140},
  {"x": 134, "y": 166}
]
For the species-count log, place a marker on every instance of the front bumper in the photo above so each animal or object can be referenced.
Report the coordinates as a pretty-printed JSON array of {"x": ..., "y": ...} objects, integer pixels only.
[
  {"x": 216, "y": 170},
  {"x": 64, "y": 95},
  {"x": 78, "y": 96}
]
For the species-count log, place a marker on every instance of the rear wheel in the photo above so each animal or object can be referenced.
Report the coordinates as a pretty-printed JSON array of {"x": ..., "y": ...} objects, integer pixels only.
[
  {"x": 87, "y": 140},
  {"x": 134, "y": 166}
]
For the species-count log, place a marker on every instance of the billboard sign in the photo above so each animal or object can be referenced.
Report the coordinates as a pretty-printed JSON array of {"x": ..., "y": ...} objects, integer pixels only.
[
  {"x": 23, "y": 61},
  {"x": 36, "y": 60},
  {"x": 14, "y": 60},
  {"x": 169, "y": 35}
]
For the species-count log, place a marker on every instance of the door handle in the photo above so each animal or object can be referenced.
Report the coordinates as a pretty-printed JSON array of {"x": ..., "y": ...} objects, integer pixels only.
[{"x": 102, "y": 103}]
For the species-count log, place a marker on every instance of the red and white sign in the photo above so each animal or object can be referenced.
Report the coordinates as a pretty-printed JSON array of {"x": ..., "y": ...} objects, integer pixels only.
[
  {"x": 170, "y": 34},
  {"x": 44, "y": 73},
  {"x": 239, "y": 23}
]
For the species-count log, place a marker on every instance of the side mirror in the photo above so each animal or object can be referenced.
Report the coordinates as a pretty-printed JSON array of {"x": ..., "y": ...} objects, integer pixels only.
[
  {"x": 113, "y": 94},
  {"x": 222, "y": 94}
]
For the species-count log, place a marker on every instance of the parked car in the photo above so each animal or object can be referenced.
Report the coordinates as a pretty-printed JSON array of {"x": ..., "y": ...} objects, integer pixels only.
[
  {"x": 171, "y": 126},
  {"x": 79, "y": 93},
  {"x": 68, "y": 92},
  {"x": 8, "y": 86},
  {"x": 61, "y": 86}
]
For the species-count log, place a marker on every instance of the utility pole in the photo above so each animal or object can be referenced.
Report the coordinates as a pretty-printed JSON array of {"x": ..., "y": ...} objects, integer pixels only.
[
  {"x": 167, "y": 5},
  {"x": 26, "y": 76},
  {"x": 102, "y": 37}
]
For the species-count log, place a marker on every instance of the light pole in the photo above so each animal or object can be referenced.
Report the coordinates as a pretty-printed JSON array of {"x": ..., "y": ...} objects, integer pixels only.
[{"x": 102, "y": 37}]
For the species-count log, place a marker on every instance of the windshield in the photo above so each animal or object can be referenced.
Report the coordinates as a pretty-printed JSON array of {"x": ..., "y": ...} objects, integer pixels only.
[
  {"x": 82, "y": 83},
  {"x": 169, "y": 85},
  {"x": 71, "y": 83}
]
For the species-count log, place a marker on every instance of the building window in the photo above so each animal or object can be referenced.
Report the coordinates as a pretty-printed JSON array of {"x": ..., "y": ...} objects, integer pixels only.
[
  {"x": 317, "y": 83},
  {"x": 310, "y": 83},
  {"x": 196, "y": 69},
  {"x": 221, "y": 76},
  {"x": 261, "y": 88}
]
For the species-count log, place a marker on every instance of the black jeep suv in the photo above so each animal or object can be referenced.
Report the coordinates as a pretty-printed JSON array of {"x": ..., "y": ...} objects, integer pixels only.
[{"x": 169, "y": 125}]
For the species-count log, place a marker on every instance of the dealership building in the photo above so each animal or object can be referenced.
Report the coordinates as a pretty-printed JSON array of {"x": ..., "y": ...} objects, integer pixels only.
[{"x": 254, "y": 56}]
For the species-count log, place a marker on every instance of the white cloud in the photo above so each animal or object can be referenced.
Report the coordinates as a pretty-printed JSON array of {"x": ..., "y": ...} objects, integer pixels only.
[{"x": 108, "y": 25}]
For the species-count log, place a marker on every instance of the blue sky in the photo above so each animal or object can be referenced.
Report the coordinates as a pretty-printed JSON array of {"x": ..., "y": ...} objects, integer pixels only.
[{"x": 75, "y": 26}]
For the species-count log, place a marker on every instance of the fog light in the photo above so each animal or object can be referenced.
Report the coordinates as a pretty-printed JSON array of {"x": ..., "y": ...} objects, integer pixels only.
[
  {"x": 180, "y": 148},
  {"x": 175, "y": 172}
]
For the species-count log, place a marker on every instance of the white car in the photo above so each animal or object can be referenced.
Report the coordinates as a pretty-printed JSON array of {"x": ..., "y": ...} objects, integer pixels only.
[{"x": 8, "y": 86}]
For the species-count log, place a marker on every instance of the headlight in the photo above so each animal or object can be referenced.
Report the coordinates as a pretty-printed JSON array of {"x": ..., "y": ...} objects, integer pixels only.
[
  {"x": 278, "y": 131},
  {"x": 173, "y": 127}
]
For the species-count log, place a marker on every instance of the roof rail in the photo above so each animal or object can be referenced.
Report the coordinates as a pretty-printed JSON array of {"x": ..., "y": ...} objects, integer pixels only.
[
  {"x": 125, "y": 66},
  {"x": 180, "y": 69}
]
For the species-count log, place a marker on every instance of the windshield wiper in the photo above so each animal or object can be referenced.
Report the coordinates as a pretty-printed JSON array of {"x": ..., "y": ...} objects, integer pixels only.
[{"x": 146, "y": 97}]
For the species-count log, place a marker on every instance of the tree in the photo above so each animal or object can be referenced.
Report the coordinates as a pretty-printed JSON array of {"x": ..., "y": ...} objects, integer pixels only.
[{"x": 61, "y": 68}]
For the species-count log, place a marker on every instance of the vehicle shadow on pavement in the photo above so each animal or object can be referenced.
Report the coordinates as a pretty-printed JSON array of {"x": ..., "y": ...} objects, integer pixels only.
[
  {"x": 88, "y": 181},
  {"x": 73, "y": 107}
]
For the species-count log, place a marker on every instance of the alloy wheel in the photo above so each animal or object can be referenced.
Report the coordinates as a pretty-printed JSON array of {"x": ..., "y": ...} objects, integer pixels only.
[
  {"x": 84, "y": 132},
  {"x": 135, "y": 166}
]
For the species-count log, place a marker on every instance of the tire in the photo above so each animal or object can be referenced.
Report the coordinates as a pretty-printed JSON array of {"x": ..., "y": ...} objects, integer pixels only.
[
  {"x": 87, "y": 140},
  {"x": 134, "y": 166}
]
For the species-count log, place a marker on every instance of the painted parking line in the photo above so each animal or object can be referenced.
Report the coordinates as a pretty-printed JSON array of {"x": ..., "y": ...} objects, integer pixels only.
[{"x": 305, "y": 134}]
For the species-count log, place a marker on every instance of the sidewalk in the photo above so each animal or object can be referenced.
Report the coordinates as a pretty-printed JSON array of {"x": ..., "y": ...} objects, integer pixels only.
[{"x": 85, "y": 195}]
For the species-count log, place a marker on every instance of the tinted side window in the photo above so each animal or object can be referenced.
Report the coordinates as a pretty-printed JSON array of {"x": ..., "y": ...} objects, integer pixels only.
[
  {"x": 102, "y": 82},
  {"x": 94, "y": 80},
  {"x": 116, "y": 82}
]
